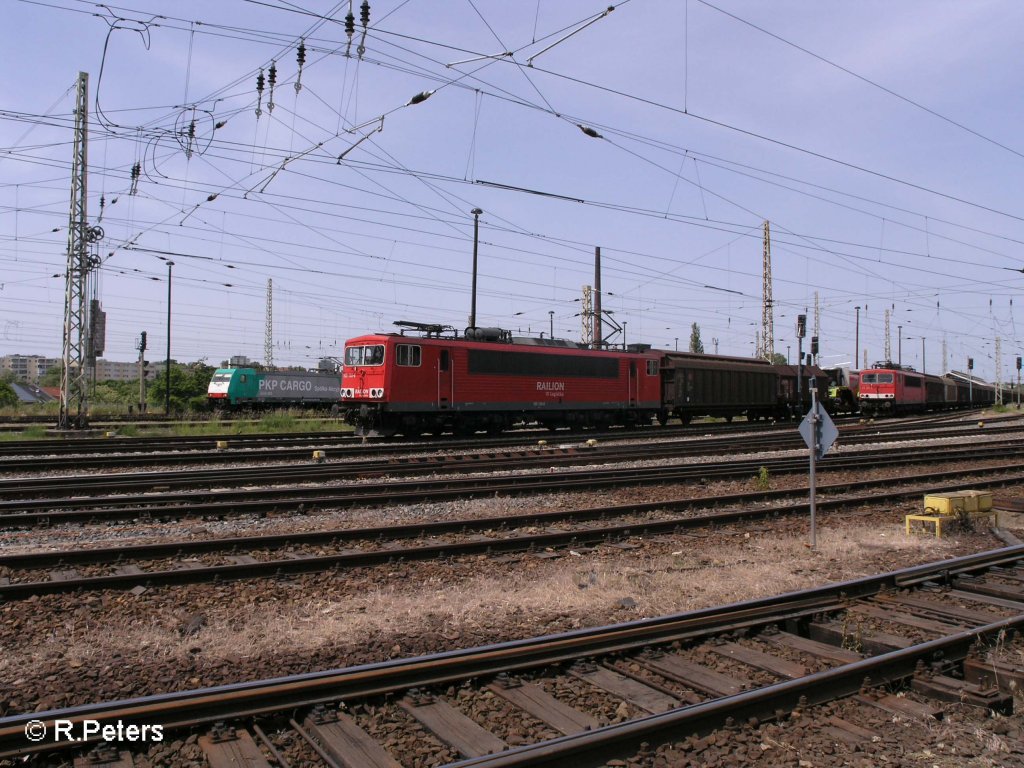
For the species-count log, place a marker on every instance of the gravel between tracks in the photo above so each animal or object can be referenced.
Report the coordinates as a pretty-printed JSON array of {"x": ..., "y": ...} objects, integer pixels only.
[{"x": 63, "y": 650}]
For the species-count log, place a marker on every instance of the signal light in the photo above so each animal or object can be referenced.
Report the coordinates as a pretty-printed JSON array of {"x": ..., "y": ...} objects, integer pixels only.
[
  {"x": 970, "y": 363},
  {"x": 814, "y": 345},
  {"x": 1018, "y": 363},
  {"x": 801, "y": 326}
]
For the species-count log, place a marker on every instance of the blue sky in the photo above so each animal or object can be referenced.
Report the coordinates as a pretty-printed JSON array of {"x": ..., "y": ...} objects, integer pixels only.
[{"x": 880, "y": 140}]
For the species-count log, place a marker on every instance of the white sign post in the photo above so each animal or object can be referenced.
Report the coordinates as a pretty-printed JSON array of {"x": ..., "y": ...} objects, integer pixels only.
[{"x": 819, "y": 432}]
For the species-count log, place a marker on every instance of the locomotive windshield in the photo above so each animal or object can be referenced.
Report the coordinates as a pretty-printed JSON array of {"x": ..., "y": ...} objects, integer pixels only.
[
  {"x": 876, "y": 378},
  {"x": 368, "y": 355},
  {"x": 221, "y": 377}
]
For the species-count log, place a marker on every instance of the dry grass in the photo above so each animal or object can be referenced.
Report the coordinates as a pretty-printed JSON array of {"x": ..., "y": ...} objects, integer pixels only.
[{"x": 576, "y": 590}]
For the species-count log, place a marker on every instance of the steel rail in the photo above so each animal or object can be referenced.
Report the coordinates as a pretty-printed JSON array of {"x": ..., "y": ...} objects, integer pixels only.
[
  {"x": 139, "y": 451},
  {"x": 574, "y": 454},
  {"x": 356, "y": 452},
  {"x": 386, "y": 555},
  {"x": 22, "y": 512},
  {"x": 594, "y": 748},
  {"x": 346, "y": 439},
  {"x": 202, "y": 706}
]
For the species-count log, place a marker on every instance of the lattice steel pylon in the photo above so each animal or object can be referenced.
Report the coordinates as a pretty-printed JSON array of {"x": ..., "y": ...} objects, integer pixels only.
[
  {"x": 268, "y": 338},
  {"x": 766, "y": 345},
  {"x": 888, "y": 342},
  {"x": 587, "y": 318},
  {"x": 73, "y": 377}
]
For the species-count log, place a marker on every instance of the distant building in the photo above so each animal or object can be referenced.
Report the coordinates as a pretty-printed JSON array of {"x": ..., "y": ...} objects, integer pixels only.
[
  {"x": 30, "y": 368},
  {"x": 109, "y": 370},
  {"x": 27, "y": 368}
]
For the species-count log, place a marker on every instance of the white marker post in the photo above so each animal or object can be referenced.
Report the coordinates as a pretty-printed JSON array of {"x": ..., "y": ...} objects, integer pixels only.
[
  {"x": 813, "y": 450},
  {"x": 819, "y": 433}
]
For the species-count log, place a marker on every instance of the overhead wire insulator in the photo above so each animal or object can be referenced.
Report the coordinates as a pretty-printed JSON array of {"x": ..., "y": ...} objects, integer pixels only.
[
  {"x": 190, "y": 137},
  {"x": 259, "y": 93},
  {"x": 136, "y": 173},
  {"x": 350, "y": 29},
  {"x": 300, "y": 57},
  {"x": 364, "y": 18},
  {"x": 273, "y": 80}
]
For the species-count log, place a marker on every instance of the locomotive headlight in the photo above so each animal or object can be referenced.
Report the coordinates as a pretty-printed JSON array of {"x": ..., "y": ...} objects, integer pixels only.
[
  {"x": 377, "y": 393},
  {"x": 348, "y": 392}
]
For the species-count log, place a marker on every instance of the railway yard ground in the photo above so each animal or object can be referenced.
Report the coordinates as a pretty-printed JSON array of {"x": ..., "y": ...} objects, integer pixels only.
[{"x": 667, "y": 542}]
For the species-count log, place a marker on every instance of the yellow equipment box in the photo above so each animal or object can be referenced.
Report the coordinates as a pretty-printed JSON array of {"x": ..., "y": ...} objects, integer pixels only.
[{"x": 958, "y": 503}]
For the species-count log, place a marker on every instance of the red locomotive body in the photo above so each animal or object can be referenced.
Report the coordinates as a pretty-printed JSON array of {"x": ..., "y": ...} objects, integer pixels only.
[
  {"x": 891, "y": 390},
  {"x": 397, "y": 383}
]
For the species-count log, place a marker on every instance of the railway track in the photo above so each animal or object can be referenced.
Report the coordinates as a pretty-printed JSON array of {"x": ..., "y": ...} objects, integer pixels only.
[
  {"x": 895, "y": 644},
  {"x": 161, "y": 496},
  {"x": 144, "y": 566},
  {"x": 116, "y": 452},
  {"x": 403, "y": 465}
]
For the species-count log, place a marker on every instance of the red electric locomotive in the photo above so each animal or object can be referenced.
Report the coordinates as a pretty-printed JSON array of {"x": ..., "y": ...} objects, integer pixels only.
[
  {"x": 488, "y": 380},
  {"x": 890, "y": 390}
]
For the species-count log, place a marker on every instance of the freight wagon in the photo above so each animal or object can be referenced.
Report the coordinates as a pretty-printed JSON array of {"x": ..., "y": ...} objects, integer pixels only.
[
  {"x": 695, "y": 385},
  {"x": 232, "y": 388}
]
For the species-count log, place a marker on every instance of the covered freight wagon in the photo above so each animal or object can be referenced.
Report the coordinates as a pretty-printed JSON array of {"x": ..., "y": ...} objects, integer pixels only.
[
  {"x": 697, "y": 385},
  {"x": 249, "y": 388}
]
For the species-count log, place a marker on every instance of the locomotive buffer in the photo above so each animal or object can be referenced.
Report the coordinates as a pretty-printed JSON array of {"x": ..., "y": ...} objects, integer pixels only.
[{"x": 819, "y": 432}]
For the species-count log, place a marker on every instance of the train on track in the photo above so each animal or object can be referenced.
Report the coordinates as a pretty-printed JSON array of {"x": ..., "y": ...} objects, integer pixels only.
[
  {"x": 489, "y": 380},
  {"x": 889, "y": 389},
  {"x": 248, "y": 388}
]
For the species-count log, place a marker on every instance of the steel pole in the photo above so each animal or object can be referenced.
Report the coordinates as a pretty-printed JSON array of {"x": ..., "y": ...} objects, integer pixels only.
[
  {"x": 476, "y": 242},
  {"x": 856, "y": 342},
  {"x": 167, "y": 380},
  {"x": 813, "y": 415}
]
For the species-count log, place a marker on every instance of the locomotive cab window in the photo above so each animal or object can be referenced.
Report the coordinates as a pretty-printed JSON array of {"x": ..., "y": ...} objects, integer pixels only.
[
  {"x": 912, "y": 381},
  {"x": 443, "y": 362},
  {"x": 408, "y": 354},
  {"x": 369, "y": 355},
  {"x": 652, "y": 367},
  {"x": 243, "y": 378}
]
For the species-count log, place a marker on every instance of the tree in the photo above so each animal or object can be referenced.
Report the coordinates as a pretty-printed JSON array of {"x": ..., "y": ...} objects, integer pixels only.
[
  {"x": 189, "y": 384},
  {"x": 7, "y": 395},
  {"x": 52, "y": 376},
  {"x": 778, "y": 359},
  {"x": 696, "y": 345}
]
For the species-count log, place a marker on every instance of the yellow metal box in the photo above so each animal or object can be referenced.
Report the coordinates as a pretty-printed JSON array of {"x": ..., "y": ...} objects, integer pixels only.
[
  {"x": 950, "y": 503},
  {"x": 984, "y": 499}
]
